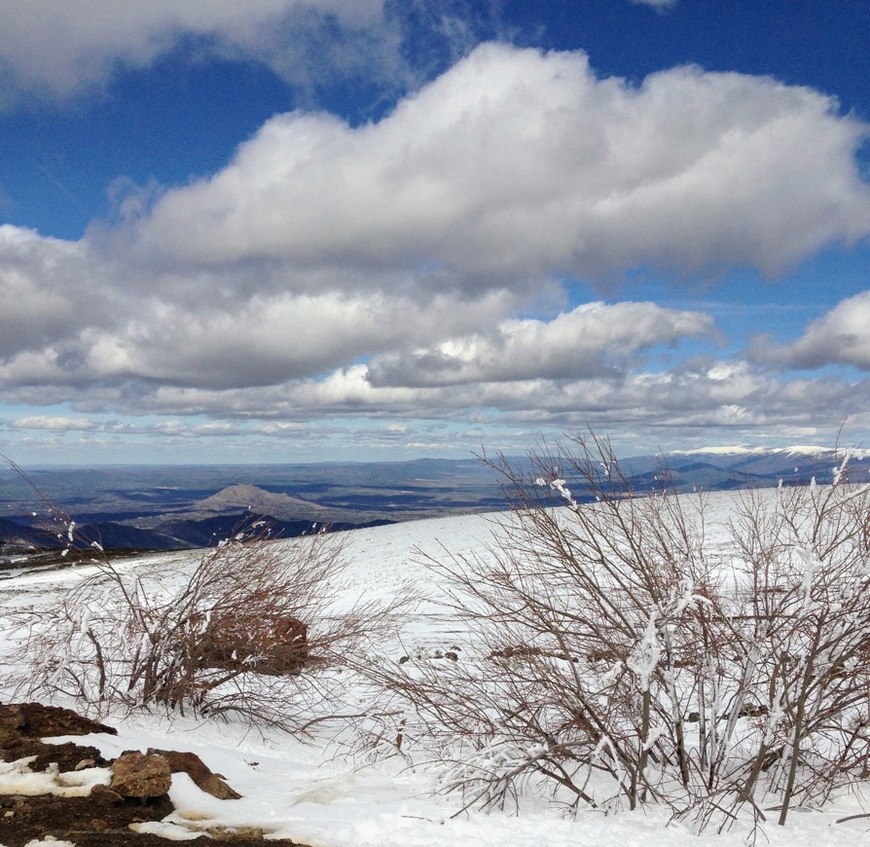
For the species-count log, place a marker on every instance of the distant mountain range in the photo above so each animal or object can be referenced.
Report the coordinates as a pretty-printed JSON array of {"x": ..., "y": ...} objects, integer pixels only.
[
  {"x": 742, "y": 467},
  {"x": 165, "y": 508}
]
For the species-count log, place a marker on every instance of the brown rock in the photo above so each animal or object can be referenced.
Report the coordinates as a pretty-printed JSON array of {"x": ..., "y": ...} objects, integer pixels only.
[
  {"x": 33, "y": 720},
  {"x": 66, "y": 756},
  {"x": 136, "y": 774},
  {"x": 11, "y": 718},
  {"x": 104, "y": 796},
  {"x": 199, "y": 772}
]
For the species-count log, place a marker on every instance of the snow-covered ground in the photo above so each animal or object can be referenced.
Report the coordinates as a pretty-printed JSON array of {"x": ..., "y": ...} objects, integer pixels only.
[{"x": 317, "y": 793}]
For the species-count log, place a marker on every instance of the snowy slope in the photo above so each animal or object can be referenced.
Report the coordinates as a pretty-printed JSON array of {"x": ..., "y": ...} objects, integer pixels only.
[{"x": 318, "y": 794}]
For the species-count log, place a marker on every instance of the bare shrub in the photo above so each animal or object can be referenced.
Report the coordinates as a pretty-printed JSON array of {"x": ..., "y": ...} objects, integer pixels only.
[
  {"x": 806, "y": 619},
  {"x": 253, "y": 631},
  {"x": 618, "y": 662}
]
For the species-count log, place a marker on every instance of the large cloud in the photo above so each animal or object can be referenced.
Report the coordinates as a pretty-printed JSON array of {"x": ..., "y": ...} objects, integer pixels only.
[
  {"x": 43, "y": 290},
  {"x": 59, "y": 48},
  {"x": 591, "y": 341},
  {"x": 264, "y": 341},
  {"x": 514, "y": 162},
  {"x": 842, "y": 336}
]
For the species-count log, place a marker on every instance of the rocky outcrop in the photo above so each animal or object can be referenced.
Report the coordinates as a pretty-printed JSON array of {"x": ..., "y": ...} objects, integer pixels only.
[
  {"x": 22, "y": 725},
  {"x": 198, "y": 771},
  {"x": 33, "y": 720},
  {"x": 135, "y": 775},
  {"x": 110, "y": 814},
  {"x": 141, "y": 775}
]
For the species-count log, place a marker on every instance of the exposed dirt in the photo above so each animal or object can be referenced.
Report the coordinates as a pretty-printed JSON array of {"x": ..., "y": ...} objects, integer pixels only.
[
  {"x": 78, "y": 819},
  {"x": 91, "y": 822},
  {"x": 101, "y": 819}
]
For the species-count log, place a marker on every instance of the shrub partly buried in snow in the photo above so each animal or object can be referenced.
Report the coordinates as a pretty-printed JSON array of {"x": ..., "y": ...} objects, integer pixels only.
[
  {"x": 619, "y": 661},
  {"x": 250, "y": 631}
]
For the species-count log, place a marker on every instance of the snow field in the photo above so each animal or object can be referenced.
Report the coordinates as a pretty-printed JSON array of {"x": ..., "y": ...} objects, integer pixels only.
[{"x": 316, "y": 792}]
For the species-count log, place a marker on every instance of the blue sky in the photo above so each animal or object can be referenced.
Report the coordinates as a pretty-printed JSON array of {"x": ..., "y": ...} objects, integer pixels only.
[{"x": 370, "y": 229}]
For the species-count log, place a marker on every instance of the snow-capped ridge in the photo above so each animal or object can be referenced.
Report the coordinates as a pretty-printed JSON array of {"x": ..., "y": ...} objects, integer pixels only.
[{"x": 794, "y": 450}]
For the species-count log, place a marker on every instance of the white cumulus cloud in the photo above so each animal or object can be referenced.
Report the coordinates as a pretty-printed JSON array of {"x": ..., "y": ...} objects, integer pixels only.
[
  {"x": 593, "y": 340},
  {"x": 57, "y": 49},
  {"x": 842, "y": 336},
  {"x": 517, "y": 162}
]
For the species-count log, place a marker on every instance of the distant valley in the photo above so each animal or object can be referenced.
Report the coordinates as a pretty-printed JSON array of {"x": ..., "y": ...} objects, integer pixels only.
[{"x": 132, "y": 508}]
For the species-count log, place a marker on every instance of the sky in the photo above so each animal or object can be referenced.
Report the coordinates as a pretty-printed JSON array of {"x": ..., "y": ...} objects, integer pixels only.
[{"x": 353, "y": 230}]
